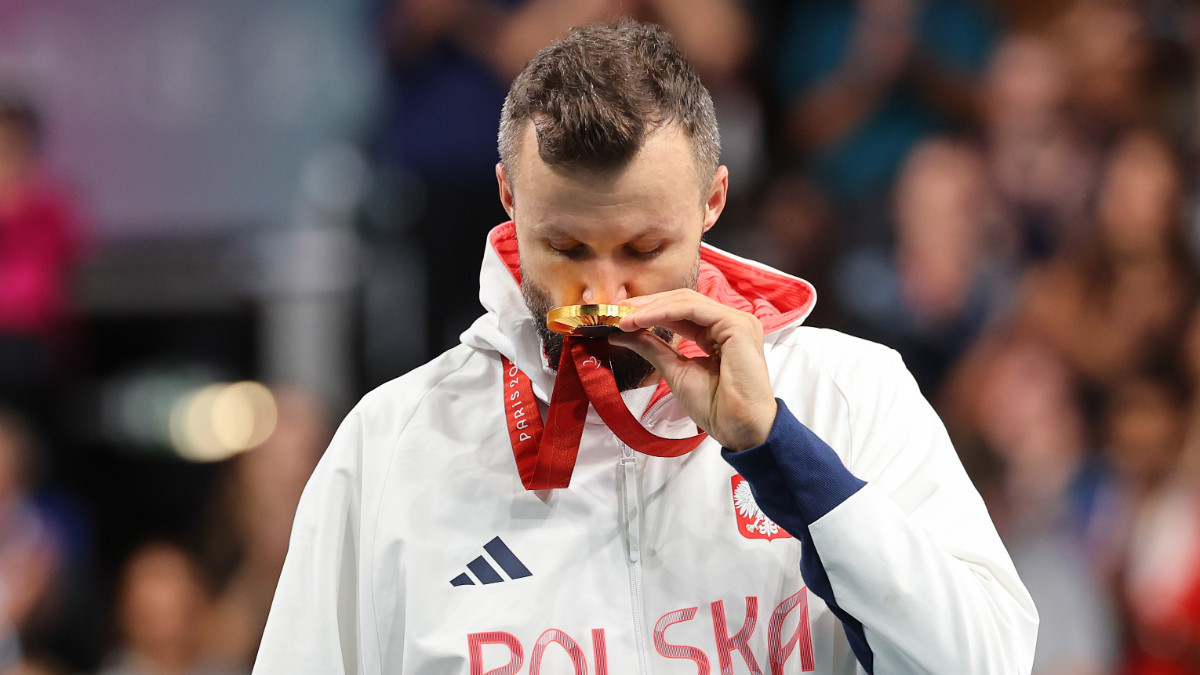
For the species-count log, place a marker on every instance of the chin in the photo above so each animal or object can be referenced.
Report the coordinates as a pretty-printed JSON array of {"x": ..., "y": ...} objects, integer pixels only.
[{"x": 629, "y": 369}]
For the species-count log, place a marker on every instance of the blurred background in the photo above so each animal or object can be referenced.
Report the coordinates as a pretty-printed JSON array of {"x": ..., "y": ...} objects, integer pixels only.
[{"x": 222, "y": 222}]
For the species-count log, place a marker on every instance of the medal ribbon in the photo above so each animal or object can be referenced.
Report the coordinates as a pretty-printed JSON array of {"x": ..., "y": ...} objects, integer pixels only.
[{"x": 546, "y": 453}]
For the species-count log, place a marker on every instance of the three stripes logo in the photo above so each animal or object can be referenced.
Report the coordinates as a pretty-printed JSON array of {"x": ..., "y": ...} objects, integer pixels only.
[{"x": 483, "y": 571}]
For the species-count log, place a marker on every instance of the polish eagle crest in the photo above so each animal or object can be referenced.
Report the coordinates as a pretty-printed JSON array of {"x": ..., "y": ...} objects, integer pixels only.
[{"x": 752, "y": 522}]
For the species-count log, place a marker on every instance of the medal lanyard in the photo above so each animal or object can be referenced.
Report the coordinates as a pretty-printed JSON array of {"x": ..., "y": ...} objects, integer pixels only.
[{"x": 546, "y": 452}]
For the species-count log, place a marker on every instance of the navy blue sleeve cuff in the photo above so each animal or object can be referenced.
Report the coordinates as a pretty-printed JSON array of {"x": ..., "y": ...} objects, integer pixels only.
[{"x": 795, "y": 476}]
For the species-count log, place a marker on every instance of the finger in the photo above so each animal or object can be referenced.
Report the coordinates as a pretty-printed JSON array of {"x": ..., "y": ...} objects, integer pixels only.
[
  {"x": 701, "y": 335},
  {"x": 649, "y": 346},
  {"x": 701, "y": 323},
  {"x": 695, "y": 309},
  {"x": 641, "y": 301}
]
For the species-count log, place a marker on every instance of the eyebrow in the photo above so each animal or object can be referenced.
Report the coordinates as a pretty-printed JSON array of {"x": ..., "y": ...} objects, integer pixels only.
[{"x": 550, "y": 230}]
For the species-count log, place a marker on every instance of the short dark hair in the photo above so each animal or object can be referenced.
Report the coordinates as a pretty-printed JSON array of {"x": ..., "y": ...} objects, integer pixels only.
[{"x": 596, "y": 95}]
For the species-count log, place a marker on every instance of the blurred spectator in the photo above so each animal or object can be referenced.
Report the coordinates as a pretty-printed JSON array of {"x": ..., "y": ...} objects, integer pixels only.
[
  {"x": 1032, "y": 15},
  {"x": 1043, "y": 170},
  {"x": 1144, "y": 426},
  {"x": 1109, "y": 59},
  {"x": 34, "y": 669},
  {"x": 1120, "y": 302},
  {"x": 449, "y": 63},
  {"x": 453, "y": 60},
  {"x": 30, "y": 547},
  {"x": 863, "y": 80},
  {"x": 1163, "y": 579},
  {"x": 1188, "y": 26},
  {"x": 718, "y": 38},
  {"x": 946, "y": 280},
  {"x": 39, "y": 237},
  {"x": 253, "y": 521},
  {"x": 163, "y": 614},
  {"x": 794, "y": 230},
  {"x": 1162, "y": 585},
  {"x": 1154, "y": 526},
  {"x": 1017, "y": 418}
]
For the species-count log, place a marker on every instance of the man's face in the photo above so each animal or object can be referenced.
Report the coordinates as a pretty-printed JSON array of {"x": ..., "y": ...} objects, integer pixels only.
[{"x": 599, "y": 238}]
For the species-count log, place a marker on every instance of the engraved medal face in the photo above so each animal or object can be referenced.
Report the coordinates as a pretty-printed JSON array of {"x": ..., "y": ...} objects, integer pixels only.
[{"x": 586, "y": 320}]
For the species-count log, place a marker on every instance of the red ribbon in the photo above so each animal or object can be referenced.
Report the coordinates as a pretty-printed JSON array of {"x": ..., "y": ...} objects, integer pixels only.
[{"x": 546, "y": 453}]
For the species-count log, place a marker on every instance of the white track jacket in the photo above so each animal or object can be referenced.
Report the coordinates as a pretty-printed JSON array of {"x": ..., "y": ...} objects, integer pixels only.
[{"x": 850, "y": 542}]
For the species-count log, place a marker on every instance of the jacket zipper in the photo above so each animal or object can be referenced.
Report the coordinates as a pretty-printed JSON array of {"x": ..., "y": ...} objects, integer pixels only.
[
  {"x": 651, "y": 413},
  {"x": 631, "y": 513}
]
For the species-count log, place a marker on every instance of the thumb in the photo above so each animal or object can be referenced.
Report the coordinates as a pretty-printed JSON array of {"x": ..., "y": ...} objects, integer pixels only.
[{"x": 647, "y": 345}]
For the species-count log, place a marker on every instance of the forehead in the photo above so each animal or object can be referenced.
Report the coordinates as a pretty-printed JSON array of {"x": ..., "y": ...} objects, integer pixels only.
[{"x": 659, "y": 181}]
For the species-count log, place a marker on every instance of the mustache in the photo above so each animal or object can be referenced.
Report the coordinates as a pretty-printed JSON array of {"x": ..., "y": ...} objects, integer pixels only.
[{"x": 628, "y": 367}]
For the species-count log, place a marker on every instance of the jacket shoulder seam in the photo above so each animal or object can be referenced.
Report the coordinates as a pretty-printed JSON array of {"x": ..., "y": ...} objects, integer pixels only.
[{"x": 821, "y": 366}]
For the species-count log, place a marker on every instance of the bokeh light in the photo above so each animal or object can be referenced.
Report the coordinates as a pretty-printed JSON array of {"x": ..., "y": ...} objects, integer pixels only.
[{"x": 221, "y": 420}]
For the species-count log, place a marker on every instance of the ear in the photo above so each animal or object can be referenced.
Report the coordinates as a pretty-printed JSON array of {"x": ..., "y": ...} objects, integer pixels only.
[
  {"x": 714, "y": 204},
  {"x": 506, "y": 191}
]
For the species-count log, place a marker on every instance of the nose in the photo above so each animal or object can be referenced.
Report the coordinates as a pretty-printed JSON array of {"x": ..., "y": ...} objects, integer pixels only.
[{"x": 604, "y": 284}]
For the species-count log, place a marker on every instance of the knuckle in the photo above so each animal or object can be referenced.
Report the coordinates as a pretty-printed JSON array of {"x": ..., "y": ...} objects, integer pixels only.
[{"x": 755, "y": 325}]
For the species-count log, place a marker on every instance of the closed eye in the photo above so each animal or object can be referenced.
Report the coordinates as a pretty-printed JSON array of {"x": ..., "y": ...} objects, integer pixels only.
[
  {"x": 645, "y": 254},
  {"x": 573, "y": 252}
]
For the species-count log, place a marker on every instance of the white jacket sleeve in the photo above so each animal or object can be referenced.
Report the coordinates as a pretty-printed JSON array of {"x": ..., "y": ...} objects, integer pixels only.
[
  {"x": 899, "y": 545},
  {"x": 314, "y": 623}
]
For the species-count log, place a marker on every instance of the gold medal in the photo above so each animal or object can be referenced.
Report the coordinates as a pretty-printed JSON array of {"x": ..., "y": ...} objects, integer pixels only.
[{"x": 586, "y": 320}]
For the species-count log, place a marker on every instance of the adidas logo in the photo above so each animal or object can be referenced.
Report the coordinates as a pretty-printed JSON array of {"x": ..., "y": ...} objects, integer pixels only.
[{"x": 482, "y": 570}]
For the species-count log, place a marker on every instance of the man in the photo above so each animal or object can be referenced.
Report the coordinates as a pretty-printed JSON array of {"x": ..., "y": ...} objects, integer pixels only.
[{"x": 825, "y": 524}]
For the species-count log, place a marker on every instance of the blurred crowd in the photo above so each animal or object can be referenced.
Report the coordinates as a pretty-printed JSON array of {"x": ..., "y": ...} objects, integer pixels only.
[{"x": 1005, "y": 192}]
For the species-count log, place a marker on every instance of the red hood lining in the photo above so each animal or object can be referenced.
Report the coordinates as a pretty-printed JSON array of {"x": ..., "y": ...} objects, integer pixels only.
[
  {"x": 775, "y": 298},
  {"x": 730, "y": 281}
]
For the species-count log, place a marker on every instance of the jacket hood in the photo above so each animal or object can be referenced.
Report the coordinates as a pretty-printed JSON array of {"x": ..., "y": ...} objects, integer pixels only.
[{"x": 779, "y": 300}]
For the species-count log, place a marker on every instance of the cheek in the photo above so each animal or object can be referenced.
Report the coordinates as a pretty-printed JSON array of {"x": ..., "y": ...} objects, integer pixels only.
[
  {"x": 553, "y": 279},
  {"x": 663, "y": 275},
  {"x": 685, "y": 265},
  {"x": 548, "y": 274}
]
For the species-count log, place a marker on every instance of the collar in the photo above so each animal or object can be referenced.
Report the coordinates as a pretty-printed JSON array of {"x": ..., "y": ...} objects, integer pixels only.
[{"x": 778, "y": 299}]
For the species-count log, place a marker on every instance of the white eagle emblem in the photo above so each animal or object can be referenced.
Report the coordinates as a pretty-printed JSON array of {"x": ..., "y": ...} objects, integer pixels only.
[{"x": 753, "y": 517}]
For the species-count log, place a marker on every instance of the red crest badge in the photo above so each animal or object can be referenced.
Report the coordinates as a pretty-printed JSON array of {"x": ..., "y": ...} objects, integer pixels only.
[{"x": 752, "y": 522}]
